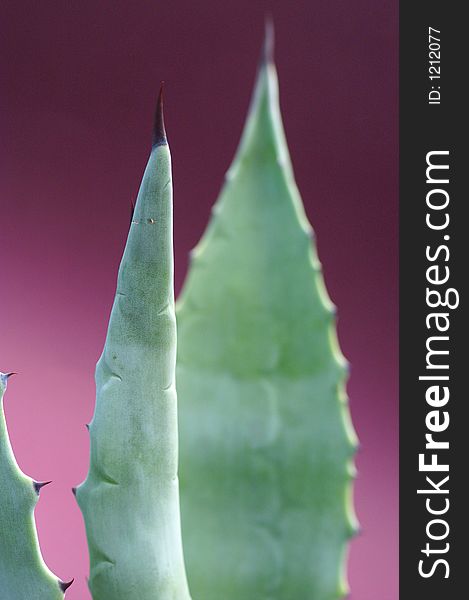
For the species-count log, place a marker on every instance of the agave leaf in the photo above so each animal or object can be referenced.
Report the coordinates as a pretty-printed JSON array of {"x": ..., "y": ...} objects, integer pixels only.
[
  {"x": 130, "y": 499},
  {"x": 266, "y": 444},
  {"x": 23, "y": 573}
]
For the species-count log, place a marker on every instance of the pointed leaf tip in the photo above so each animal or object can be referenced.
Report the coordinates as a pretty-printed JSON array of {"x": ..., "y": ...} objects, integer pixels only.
[
  {"x": 38, "y": 485},
  {"x": 269, "y": 42},
  {"x": 159, "y": 132},
  {"x": 64, "y": 585}
]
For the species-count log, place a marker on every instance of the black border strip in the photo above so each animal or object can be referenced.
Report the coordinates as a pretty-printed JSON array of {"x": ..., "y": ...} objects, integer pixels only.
[{"x": 425, "y": 128}]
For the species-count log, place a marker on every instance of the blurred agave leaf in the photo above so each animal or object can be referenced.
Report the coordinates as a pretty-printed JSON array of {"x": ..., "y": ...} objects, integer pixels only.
[{"x": 266, "y": 444}]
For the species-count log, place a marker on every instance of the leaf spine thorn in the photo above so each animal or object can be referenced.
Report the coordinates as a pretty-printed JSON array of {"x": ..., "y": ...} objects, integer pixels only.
[
  {"x": 38, "y": 485},
  {"x": 269, "y": 41},
  {"x": 64, "y": 585},
  {"x": 159, "y": 131}
]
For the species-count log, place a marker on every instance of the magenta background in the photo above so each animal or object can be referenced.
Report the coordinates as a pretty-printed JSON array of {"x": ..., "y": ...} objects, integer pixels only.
[{"x": 78, "y": 83}]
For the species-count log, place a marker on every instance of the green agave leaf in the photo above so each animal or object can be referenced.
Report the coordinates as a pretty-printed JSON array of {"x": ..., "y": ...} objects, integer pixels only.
[
  {"x": 266, "y": 443},
  {"x": 23, "y": 573},
  {"x": 130, "y": 499}
]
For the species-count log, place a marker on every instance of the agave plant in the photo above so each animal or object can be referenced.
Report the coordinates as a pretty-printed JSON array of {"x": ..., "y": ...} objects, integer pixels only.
[{"x": 266, "y": 442}]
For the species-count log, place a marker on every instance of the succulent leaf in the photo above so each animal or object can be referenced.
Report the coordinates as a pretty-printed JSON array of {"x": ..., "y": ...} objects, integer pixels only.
[
  {"x": 266, "y": 456},
  {"x": 23, "y": 573},
  {"x": 130, "y": 499}
]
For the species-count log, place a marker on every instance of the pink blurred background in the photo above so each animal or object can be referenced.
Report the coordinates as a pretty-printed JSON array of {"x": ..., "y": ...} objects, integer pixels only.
[{"x": 78, "y": 85}]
